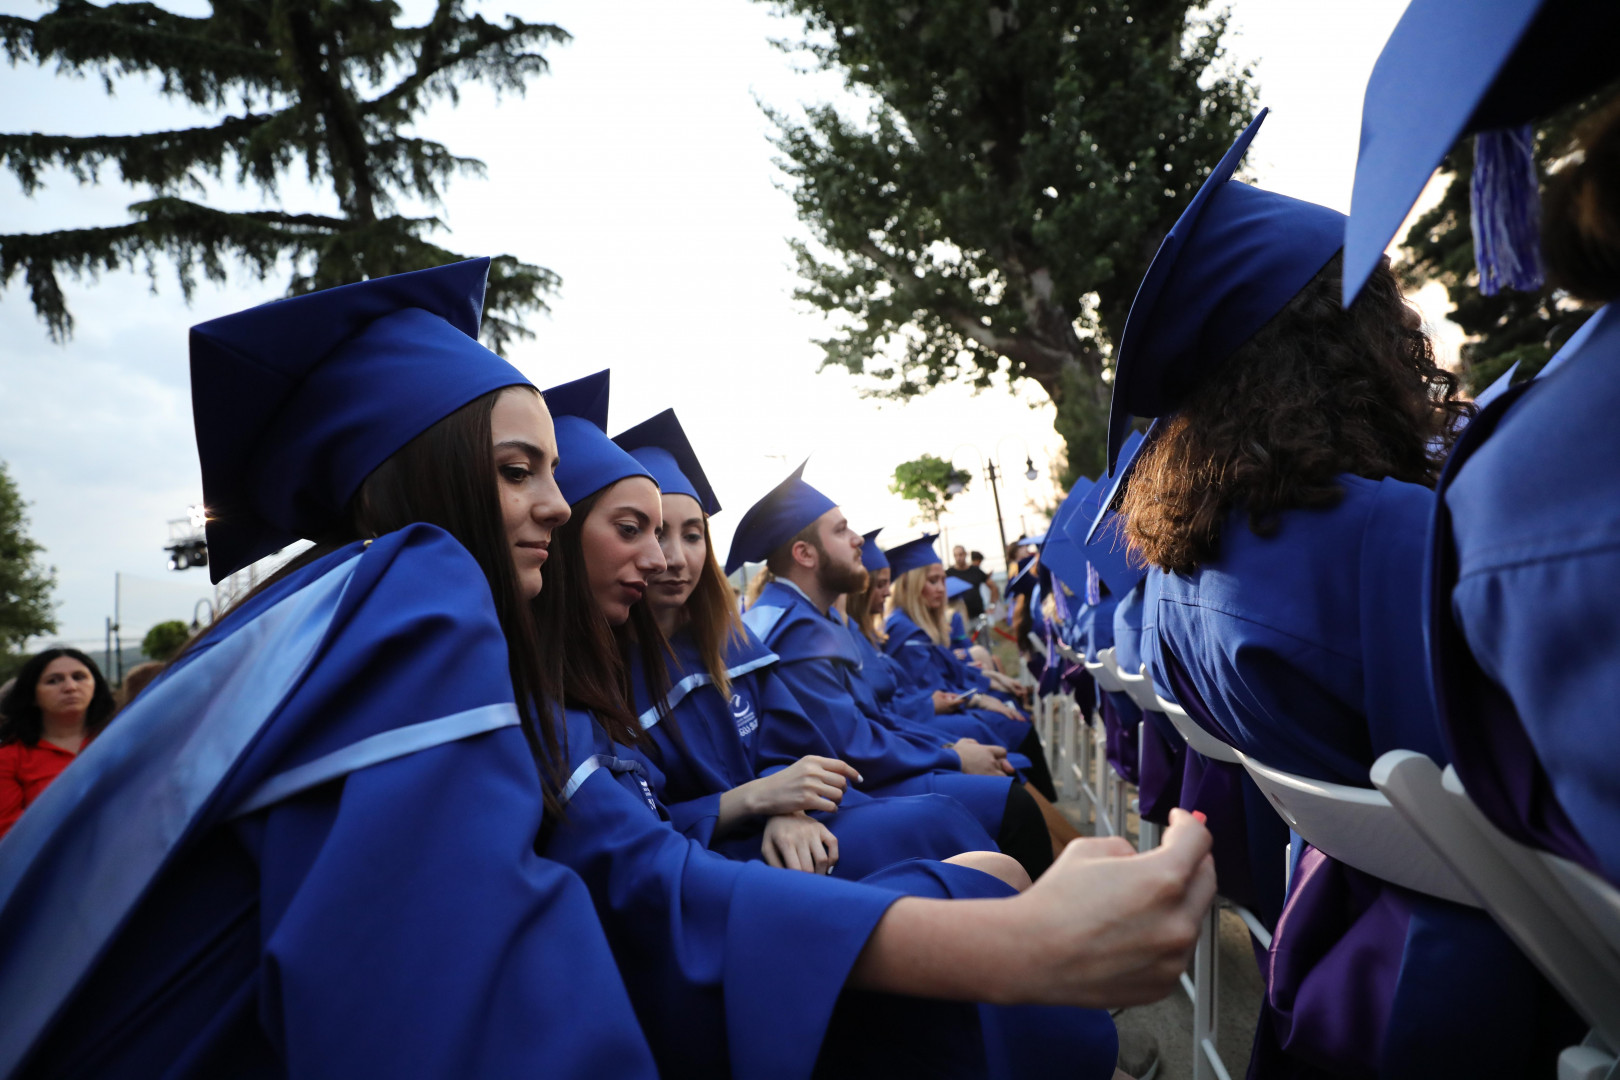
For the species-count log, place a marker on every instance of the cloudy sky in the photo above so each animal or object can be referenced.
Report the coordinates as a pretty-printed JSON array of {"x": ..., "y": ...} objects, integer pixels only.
[{"x": 639, "y": 170}]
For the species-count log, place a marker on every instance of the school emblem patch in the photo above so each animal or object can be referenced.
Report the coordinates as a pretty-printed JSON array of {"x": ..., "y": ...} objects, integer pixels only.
[{"x": 743, "y": 713}]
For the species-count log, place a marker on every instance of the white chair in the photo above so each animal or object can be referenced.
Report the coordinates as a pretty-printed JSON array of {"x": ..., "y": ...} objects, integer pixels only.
[
  {"x": 1565, "y": 919},
  {"x": 1203, "y": 987},
  {"x": 1360, "y": 828}
]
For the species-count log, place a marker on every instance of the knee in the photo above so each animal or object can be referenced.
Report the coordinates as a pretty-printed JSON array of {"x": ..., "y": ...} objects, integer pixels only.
[{"x": 994, "y": 863}]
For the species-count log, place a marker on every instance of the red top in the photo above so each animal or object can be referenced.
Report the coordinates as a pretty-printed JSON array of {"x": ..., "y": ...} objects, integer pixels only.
[{"x": 25, "y": 771}]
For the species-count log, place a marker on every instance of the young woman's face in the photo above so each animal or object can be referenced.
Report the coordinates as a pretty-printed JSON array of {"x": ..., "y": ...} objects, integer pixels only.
[
  {"x": 685, "y": 550},
  {"x": 933, "y": 590},
  {"x": 532, "y": 505},
  {"x": 881, "y": 588},
  {"x": 65, "y": 686},
  {"x": 620, "y": 541}
]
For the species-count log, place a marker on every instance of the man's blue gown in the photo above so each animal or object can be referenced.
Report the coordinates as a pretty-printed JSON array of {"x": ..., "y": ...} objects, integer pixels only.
[{"x": 717, "y": 744}]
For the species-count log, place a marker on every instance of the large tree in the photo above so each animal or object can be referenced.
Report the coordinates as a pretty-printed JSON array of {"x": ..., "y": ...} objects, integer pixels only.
[
  {"x": 1511, "y": 327},
  {"x": 26, "y": 610},
  {"x": 1013, "y": 172},
  {"x": 327, "y": 87}
]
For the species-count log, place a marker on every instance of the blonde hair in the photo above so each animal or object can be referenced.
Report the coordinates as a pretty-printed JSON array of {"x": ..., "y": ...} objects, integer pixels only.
[
  {"x": 858, "y": 608},
  {"x": 756, "y": 585},
  {"x": 907, "y": 597}
]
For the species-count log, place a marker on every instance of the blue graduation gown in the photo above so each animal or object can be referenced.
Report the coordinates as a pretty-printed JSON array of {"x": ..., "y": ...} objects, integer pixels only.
[
  {"x": 922, "y": 665},
  {"x": 1524, "y": 624},
  {"x": 1162, "y": 752},
  {"x": 718, "y": 744},
  {"x": 736, "y": 968},
  {"x": 820, "y": 667},
  {"x": 309, "y": 852},
  {"x": 1305, "y": 650},
  {"x": 912, "y": 708}
]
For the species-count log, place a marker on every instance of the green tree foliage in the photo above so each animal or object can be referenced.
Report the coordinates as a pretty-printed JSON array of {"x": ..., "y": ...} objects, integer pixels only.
[
  {"x": 931, "y": 483},
  {"x": 328, "y": 87},
  {"x": 25, "y": 584},
  {"x": 999, "y": 202},
  {"x": 164, "y": 640},
  {"x": 1511, "y": 326}
]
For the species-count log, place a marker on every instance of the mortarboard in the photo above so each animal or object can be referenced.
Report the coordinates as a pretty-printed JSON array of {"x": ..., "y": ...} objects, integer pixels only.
[
  {"x": 1232, "y": 260},
  {"x": 661, "y": 446},
  {"x": 872, "y": 556},
  {"x": 297, "y": 401},
  {"x": 912, "y": 554},
  {"x": 775, "y": 519},
  {"x": 955, "y": 586},
  {"x": 1060, "y": 553},
  {"x": 587, "y": 460},
  {"x": 1111, "y": 486},
  {"x": 1456, "y": 67}
]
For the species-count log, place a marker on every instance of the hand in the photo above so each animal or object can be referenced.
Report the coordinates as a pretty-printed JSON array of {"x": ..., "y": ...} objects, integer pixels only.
[
  {"x": 946, "y": 702},
  {"x": 985, "y": 701},
  {"x": 799, "y": 842},
  {"x": 1106, "y": 927},
  {"x": 811, "y": 783},
  {"x": 981, "y": 760}
]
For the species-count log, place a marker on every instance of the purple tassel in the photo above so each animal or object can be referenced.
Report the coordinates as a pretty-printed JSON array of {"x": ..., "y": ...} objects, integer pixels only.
[
  {"x": 1506, "y": 214},
  {"x": 1093, "y": 586}
]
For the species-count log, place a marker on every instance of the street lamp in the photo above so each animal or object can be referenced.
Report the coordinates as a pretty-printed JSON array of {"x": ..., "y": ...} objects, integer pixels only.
[{"x": 992, "y": 475}]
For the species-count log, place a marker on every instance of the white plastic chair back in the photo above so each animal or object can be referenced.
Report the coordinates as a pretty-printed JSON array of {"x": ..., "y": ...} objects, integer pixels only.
[
  {"x": 1036, "y": 642},
  {"x": 1068, "y": 653},
  {"x": 1104, "y": 673},
  {"x": 1197, "y": 738},
  {"x": 1564, "y": 918},
  {"x": 1139, "y": 686},
  {"x": 1360, "y": 828}
]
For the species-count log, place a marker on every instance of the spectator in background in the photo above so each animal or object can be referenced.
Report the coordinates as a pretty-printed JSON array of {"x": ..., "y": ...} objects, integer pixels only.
[
  {"x": 58, "y": 703},
  {"x": 974, "y": 575}
]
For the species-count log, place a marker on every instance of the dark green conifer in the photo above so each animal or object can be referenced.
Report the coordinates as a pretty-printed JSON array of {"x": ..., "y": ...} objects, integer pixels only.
[{"x": 329, "y": 87}]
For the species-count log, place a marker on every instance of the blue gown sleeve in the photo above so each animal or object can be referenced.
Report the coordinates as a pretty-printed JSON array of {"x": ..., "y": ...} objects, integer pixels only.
[
  {"x": 734, "y": 967},
  {"x": 879, "y": 754}
]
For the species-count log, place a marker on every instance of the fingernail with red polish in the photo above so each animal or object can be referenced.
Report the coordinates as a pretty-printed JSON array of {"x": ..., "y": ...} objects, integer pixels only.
[{"x": 1199, "y": 814}]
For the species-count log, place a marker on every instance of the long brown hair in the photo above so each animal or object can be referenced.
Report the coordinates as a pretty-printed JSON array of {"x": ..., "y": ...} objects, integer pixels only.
[
  {"x": 858, "y": 606},
  {"x": 594, "y": 670},
  {"x": 711, "y": 615},
  {"x": 428, "y": 480},
  {"x": 1319, "y": 391}
]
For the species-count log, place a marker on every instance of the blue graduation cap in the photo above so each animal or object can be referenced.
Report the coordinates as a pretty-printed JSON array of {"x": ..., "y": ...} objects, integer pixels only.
[
  {"x": 1458, "y": 67},
  {"x": 587, "y": 460},
  {"x": 913, "y": 554},
  {"x": 1232, "y": 260},
  {"x": 660, "y": 445},
  {"x": 955, "y": 586},
  {"x": 297, "y": 401},
  {"x": 1112, "y": 484},
  {"x": 774, "y": 519},
  {"x": 872, "y": 556},
  {"x": 1061, "y": 554}
]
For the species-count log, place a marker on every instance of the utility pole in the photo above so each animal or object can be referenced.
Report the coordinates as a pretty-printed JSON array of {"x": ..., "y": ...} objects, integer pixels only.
[
  {"x": 117, "y": 625},
  {"x": 1001, "y": 529}
]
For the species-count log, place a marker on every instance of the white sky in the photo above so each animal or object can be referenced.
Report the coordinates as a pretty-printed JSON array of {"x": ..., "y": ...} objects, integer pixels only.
[{"x": 639, "y": 170}]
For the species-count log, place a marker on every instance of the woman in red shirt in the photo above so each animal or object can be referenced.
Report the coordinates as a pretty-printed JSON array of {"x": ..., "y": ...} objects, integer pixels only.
[{"x": 59, "y": 703}]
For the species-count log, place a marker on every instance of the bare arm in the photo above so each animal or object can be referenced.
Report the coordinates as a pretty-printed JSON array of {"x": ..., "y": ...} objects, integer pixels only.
[{"x": 1103, "y": 928}]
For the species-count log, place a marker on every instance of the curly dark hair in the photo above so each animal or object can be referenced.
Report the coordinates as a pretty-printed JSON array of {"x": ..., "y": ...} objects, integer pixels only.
[
  {"x": 1319, "y": 391},
  {"x": 1580, "y": 234},
  {"x": 20, "y": 718}
]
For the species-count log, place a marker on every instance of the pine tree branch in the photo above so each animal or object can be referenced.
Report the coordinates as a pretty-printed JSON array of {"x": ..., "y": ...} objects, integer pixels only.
[
  {"x": 163, "y": 160},
  {"x": 449, "y": 44},
  {"x": 190, "y": 56}
]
